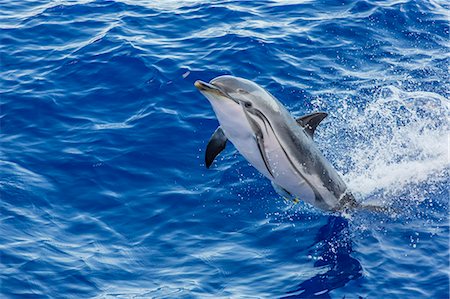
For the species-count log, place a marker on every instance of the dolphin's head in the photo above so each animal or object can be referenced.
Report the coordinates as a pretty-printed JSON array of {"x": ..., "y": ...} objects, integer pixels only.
[
  {"x": 246, "y": 113},
  {"x": 234, "y": 91}
]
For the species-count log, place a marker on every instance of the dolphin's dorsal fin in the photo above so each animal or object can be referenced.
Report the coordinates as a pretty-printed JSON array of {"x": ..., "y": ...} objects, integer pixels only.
[
  {"x": 310, "y": 121},
  {"x": 216, "y": 144}
]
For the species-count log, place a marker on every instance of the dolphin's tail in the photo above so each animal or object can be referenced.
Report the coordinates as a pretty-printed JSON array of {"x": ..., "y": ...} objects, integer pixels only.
[
  {"x": 348, "y": 202},
  {"x": 374, "y": 208}
]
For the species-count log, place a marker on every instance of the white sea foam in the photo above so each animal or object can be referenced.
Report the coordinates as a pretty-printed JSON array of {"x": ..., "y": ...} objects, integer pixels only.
[{"x": 395, "y": 148}]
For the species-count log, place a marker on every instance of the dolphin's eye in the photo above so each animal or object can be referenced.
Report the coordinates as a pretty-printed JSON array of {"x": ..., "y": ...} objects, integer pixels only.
[
  {"x": 240, "y": 90},
  {"x": 247, "y": 104}
]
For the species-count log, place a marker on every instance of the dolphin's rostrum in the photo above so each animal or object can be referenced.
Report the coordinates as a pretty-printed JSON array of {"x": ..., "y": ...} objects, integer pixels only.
[{"x": 276, "y": 144}]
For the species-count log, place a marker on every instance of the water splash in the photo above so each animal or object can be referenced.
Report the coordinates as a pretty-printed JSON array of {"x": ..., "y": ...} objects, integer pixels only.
[{"x": 395, "y": 147}]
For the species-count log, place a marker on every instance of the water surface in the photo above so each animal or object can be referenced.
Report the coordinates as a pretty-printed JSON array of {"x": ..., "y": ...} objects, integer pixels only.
[{"x": 104, "y": 193}]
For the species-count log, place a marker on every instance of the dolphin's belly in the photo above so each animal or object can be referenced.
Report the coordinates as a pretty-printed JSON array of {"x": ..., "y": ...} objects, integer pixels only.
[
  {"x": 291, "y": 181},
  {"x": 248, "y": 148},
  {"x": 293, "y": 177},
  {"x": 284, "y": 173}
]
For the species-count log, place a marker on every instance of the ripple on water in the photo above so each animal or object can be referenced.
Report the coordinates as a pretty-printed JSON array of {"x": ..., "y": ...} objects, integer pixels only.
[{"x": 103, "y": 187}]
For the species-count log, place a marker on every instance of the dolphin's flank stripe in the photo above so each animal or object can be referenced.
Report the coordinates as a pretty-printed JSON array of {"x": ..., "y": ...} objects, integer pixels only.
[
  {"x": 260, "y": 143},
  {"x": 264, "y": 120}
]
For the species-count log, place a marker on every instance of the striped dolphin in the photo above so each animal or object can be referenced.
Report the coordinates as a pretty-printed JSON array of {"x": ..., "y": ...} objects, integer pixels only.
[{"x": 276, "y": 144}]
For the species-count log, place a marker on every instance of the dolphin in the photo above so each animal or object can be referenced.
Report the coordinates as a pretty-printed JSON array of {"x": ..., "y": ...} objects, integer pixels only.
[{"x": 277, "y": 145}]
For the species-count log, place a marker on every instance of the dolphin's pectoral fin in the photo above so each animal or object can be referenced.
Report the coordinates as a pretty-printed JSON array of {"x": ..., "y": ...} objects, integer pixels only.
[
  {"x": 216, "y": 144},
  {"x": 310, "y": 121}
]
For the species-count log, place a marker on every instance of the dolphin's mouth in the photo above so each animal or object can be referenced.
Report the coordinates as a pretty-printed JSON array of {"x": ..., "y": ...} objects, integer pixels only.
[
  {"x": 209, "y": 87},
  {"x": 214, "y": 89}
]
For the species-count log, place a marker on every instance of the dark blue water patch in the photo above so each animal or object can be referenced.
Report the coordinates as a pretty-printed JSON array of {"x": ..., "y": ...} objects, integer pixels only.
[
  {"x": 104, "y": 191},
  {"x": 334, "y": 249}
]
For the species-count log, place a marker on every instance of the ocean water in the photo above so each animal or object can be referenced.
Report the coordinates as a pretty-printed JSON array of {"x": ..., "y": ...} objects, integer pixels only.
[{"x": 104, "y": 192}]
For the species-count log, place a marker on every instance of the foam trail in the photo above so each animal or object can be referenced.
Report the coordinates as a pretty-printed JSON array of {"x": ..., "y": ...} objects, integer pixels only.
[{"x": 396, "y": 143}]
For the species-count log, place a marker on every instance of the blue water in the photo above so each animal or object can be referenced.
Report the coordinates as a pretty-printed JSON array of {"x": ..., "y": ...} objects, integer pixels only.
[{"x": 104, "y": 192}]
